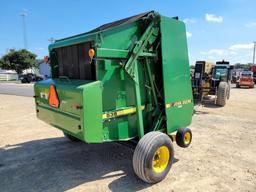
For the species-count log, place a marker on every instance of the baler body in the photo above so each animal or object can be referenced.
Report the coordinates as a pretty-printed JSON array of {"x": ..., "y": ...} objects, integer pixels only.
[{"x": 138, "y": 80}]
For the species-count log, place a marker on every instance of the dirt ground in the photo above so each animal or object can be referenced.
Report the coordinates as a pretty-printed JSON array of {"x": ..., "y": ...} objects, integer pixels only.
[{"x": 36, "y": 157}]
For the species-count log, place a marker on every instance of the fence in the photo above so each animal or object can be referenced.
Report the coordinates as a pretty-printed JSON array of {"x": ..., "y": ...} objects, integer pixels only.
[{"x": 8, "y": 77}]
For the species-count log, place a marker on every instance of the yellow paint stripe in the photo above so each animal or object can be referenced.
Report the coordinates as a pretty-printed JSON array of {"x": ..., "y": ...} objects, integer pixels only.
[{"x": 119, "y": 113}]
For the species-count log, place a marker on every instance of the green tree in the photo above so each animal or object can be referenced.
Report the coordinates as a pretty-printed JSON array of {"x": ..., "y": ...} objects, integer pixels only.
[
  {"x": 243, "y": 66},
  {"x": 18, "y": 60},
  {"x": 238, "y": 66}
]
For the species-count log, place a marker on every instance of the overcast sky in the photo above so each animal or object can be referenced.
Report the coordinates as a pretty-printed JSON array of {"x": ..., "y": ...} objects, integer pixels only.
[{"x": 216, "y": 30}]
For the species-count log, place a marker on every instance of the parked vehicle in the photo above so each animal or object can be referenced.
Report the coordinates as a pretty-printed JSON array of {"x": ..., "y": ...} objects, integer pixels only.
[
  {"x": 253, "y": 69},
  {"x": 235, "y": 75},
  {"x": 245, "y": 80},
  {"x": 30, "y": 77},
  {"x": 212, "y": 79}
]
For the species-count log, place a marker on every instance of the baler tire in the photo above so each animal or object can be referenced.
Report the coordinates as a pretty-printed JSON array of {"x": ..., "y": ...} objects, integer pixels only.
[
  {"x": 71, "y": 138},
  {"x": 222, "y": 94},
  {"x": 183, "y": 137},
  {"x": 148, "y": 165}
]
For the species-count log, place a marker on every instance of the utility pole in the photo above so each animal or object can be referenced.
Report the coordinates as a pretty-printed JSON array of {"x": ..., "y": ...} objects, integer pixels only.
[
  {"x": 23, "y": 15},
  {"x": 253, "y": 61}
]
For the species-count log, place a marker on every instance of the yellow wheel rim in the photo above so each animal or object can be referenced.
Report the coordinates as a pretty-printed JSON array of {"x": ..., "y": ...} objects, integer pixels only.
[
  {"x": 161, "y": 159},
  {"x": 187, "y": 138}
]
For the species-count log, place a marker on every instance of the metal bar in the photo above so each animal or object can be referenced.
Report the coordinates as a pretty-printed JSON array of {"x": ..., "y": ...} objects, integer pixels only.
[
  {"x": 108, "y": 74},
  {"x": 72, "y": 41},
  {"x": 157, "y": 90},
  {"x": 138, "y": 102},
  {"x": 151, "y": 82},
  {"x": 158, "y": 122},
  {"x": 119, "y": 53},
  {"x": 146, "y": 54},
  {"x": 138, "y": 49}
]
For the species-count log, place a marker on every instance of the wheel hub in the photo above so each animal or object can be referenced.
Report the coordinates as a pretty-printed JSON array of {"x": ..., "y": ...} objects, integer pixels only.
[
  {"x": 187, "y": 138},
  {"x": 161, "y": 159}
]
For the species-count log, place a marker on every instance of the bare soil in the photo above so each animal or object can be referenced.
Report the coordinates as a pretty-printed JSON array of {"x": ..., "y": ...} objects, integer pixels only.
[{"x": 36, "y": 157}]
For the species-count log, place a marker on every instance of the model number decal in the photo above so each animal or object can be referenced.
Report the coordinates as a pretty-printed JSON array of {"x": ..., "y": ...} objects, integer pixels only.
[{"x": 121, "y": 112}]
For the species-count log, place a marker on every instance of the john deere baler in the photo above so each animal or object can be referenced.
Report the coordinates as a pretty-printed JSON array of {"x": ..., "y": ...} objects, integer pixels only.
[{"x": 125, "y": 80}]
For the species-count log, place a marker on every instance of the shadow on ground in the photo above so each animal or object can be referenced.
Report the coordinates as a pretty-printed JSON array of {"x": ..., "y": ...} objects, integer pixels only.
[
  {"x": 211, "y": 105},
  {"x": 57, "y": 164},
  {"x": 207, "y": 104}
]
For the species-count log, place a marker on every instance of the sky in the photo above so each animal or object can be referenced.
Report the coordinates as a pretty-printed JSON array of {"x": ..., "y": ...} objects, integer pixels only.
[{"x": 216, "y": 29}]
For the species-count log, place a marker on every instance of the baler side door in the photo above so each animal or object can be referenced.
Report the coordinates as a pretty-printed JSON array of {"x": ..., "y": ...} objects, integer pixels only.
[{"x": 176, "y": 74}]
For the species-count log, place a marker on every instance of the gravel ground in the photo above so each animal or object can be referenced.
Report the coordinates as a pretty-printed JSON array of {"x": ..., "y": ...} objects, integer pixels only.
[{"x": 36, "y": 157}]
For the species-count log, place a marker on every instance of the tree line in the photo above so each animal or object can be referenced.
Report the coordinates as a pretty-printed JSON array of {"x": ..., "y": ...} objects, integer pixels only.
[{"x": 18, "y": 60}]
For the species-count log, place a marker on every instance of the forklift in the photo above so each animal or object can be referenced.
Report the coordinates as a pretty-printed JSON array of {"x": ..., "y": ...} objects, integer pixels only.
[{"x": 212, "y": 79}]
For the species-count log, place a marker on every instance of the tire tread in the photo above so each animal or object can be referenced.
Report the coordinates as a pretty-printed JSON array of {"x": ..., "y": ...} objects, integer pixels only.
[
  {"x": 222, "y": 93},
  {"x": 141, "y": 152}
]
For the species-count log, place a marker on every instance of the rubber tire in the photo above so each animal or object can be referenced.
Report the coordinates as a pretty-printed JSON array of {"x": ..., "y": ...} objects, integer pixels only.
[
  {"x": 24, "y": 81},
  {"x": 237, "y": 85},
  {"x": 144, "y": 153},
  {"x": 180, "y": 137},
  {"x": 222, "y": 94},
  {"x": 71, "y": 138}
]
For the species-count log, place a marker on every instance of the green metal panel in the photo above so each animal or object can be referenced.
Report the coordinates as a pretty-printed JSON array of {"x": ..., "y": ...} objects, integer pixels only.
[
  {"x": 121, "y": 37},
  {"x": 118, "y": 93},
  {"x": 64, "y": 121},
  {"x": 176, "y": 75},
  {"x": 92, "y": 112},
  {"x": 80, "y": 110},
  {"x": 68, "y": 116},
  {"x": 111, "y": 53},
  {"x": 68, "y": 94}
]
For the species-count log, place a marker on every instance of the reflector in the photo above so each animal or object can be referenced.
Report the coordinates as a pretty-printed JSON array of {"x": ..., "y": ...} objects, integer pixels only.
[
  {"x": 91, "y": 53},
  {"x": 46, "y": 59},
  {"x": 53, "y": 97}
]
